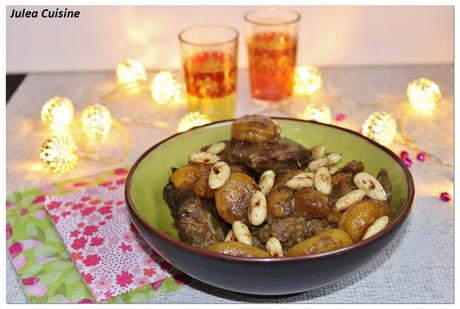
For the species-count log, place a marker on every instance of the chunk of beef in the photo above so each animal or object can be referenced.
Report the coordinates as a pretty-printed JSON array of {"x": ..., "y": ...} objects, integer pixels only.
[
  {"x": 384, "y": 179},
  {"x": 174, "y": 197},
  {"x": 354, "y": 167},
  {"x": 291, "y": 230},
  {"x": 342, "y": 183},
  {"x": 196, "y": 219},
  {"x": 280, "y": 156}
]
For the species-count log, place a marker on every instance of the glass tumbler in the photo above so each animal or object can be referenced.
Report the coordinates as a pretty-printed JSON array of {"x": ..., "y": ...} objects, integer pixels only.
[
  {"x": 272, "y": 47},
  {"x": 209, "y": 58}
]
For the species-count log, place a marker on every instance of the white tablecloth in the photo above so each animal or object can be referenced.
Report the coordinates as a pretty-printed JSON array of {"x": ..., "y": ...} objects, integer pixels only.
[{"x": 417, "y": 267}]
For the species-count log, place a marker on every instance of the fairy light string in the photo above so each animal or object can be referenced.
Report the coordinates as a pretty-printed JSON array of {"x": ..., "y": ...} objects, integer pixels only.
[
  {"x": 57, "y": 114},
  {"x": 97, "y": 157},
  {"x": 122, "y": 90},
  {"x": 165, "y": 90},
  {"x": 61, "y": 152},
  {"x": 423, "y": 98}
]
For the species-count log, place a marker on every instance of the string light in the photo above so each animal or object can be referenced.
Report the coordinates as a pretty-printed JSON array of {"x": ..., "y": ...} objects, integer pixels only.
[
  {"x": 380, "y": 127},
  {"x": 57, "y": 113},
  {"x": 130, "y": 71},
  {"x": 193, "y": 119},
  {"x": 319, "y": 113},
  {"x": 59, "y": 153},
  {"x": 165, "y": 89},
  {"x": 307, "y": 80},
  {"x": 424, "y": 96},
  {"x": 96, "y": 122}
]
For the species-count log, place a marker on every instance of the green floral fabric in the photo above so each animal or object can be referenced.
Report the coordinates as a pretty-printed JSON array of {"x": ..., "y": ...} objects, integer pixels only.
[{"x": 43, "y": 264}]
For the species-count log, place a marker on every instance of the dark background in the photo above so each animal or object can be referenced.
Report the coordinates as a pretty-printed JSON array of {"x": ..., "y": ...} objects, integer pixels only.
[{"x": 12, "y": 83}]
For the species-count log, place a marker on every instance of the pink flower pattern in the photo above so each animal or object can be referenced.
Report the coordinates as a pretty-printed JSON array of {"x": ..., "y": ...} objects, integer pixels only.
[
  {"x": 124, "y": 278},
  {"x": 106, "y": 248},
  {"x": 75, "y": 233},
  {"x": 87, "y": 211},
  {"x": 103, "y": 283},
  {"x": 124, "y": 247},
  {"x": 78, "y": 206},
  {"x": 90, "y": 230},
  {"x": 96, "y": 241},
  {"x": 79, "y": 243},
  {"x": 39, "y": 199},
  {"x": 105, "y": 210},
  {"x": 34, "y": 287},
  {"x": 9, "y": 231},
  {"x": 91, "y": 260},
  {"x": 87, "y": 277}
]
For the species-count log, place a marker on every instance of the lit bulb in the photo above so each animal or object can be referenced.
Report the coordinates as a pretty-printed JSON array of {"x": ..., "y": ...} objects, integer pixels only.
[
  {"x": 424, "y": 96},
  {"x": 319, "y": 113},
  {"x": 96, "y": 122},
  {"x": 165, "y": 89},
  {"x": 307, "y": 80},
  {"x": 59, "y": 153},
  {"x": 130, "y": 71},
  {"x": 380, "y": 127},
  {"x": 57, "y": 113},
  {"x": 193, "y": 119}
]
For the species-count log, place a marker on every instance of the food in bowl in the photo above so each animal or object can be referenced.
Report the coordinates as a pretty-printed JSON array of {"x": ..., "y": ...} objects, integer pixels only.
[{"x": 261, "y": 195}]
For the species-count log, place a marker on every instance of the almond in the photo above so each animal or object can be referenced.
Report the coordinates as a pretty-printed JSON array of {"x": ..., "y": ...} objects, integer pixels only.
[
  {"x": 350, "y": 198},
  {"x": 203, "y": 157},
  {"x": 302, "y": 180},
  {"x": 371, "y": 185},
  {"x": 266, "y": 181},
  {"x": 216, "y": 148},
  {"x": 241, "y": 232},
  {"x": 257, "y": 212},
  {"x": 220, "y": 172},
  {"x": 314, "y": 165},
  {"x": 274, "y": 247},
  {"x": 318, "y": 152},
  {"x": 376, "y": 227},
  {"x": 323, "y": 180},
  {"x": 334, "y": 158}
]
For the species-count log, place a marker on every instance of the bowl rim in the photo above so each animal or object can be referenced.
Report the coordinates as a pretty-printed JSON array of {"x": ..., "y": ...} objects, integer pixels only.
[{"x": 235, "y": 259}]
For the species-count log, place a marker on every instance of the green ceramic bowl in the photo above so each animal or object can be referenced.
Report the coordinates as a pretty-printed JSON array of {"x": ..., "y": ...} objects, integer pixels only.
[{"x": 151, "y": 215}]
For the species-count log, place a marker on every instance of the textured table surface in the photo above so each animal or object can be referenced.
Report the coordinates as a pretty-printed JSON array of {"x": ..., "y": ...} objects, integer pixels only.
[{"x": 417, "y": 267}]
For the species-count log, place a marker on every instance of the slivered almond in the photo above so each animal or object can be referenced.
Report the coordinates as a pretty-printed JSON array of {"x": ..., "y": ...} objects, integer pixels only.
[
  {"x": 314, "y": 165},
  {"x": 376, "y": 227},
  {"x": 334, "y": 158},
  {"x": 302, "y": 180},
  {"x": 266, "y": 181},
  {"x": 203, "y": 157},
  {"x": 371, "y": 185},
  {"x": 230, "y": 236},
  {"x": 318, "y": 152},
  {"x": 257, "y": 212},
  {"x": 220, "y": 172},
  {"x": 274, "y": 247},
  {"x": 323, "y": 180},
  {"x": 350, "y": 198},
  {"x": 241, "y": 232},
  {"x": 216, "y": 148}
]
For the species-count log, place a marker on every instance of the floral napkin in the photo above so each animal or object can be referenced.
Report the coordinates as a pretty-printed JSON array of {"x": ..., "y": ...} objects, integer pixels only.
[
  {"x": 46, "y": 267},
  {"x": 105, "y": 247}
]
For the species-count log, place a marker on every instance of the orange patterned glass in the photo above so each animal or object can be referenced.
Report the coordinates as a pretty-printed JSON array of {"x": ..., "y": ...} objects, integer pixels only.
[
  {"x": 209, "y": 57},
  {"x": 272, "y": 48}
]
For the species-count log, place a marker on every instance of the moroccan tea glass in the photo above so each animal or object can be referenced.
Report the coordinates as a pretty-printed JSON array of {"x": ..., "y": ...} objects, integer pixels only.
[
  {"x": 209, "y": 59},
  {"x": 271, "y": 35}
]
